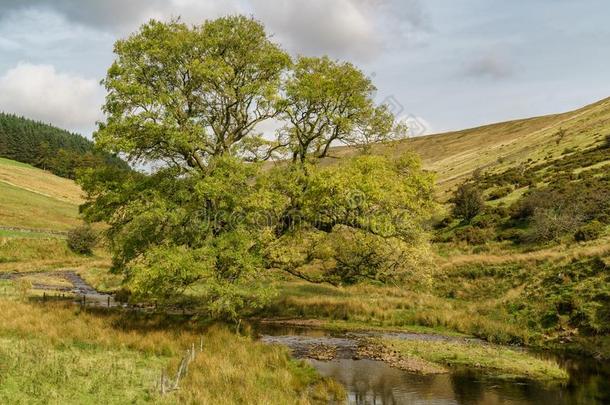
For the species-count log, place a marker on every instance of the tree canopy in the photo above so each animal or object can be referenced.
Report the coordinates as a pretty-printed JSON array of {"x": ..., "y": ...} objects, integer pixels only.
[
  {"x": 214, "y": 216},
  {"x": 184, "y": 95}
]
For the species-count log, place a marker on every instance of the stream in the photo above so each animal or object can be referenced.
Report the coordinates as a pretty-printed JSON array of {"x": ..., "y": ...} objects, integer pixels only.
[{"x": 375, "y": 382}]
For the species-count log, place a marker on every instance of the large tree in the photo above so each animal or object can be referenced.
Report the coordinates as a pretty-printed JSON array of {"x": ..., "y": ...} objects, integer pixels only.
[{"x": 192, "y": 99}]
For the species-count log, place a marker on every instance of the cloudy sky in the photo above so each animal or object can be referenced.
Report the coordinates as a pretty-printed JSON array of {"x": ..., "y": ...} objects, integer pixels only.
[{"x": 451, "y": 64}]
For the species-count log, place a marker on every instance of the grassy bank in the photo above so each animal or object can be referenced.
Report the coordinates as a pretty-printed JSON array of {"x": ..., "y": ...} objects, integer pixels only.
[
  {"x": 54, "y": 353},
  {"x": 559, "y": 302},
  {"x": 502, "y": 362},
  {"x": 21, "y": 254}
]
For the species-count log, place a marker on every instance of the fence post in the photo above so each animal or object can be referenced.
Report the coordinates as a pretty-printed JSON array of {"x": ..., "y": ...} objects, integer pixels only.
[
  {"x": 109, "y": 301},
  {"x": 44, "y": 296}
]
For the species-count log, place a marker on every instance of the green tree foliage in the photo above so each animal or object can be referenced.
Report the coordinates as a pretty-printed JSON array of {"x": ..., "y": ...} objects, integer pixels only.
[
  {"x": 210, "y": 220},
  {"x": 187, "y": 94},
  {"x": 168, "y": 232},
  {"x": 590, "y": 231},
  {"x": 467, "y": 201},
  {"x": 328, "y": 102},
  {"x": 50, "y": 148},
  {"x": 360, "y": 219}
]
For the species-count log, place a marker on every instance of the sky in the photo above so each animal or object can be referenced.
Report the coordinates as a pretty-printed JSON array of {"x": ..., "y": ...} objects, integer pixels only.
[{"x": 440, "y": 64}]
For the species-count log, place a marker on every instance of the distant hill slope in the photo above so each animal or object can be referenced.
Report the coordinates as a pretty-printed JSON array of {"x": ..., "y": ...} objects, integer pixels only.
[
  {"x": 31, "y": 198},
  {"x": 454, "y": 156},
  {"x": 34, "y": 198},
  {"x": 49, "y": 147}
]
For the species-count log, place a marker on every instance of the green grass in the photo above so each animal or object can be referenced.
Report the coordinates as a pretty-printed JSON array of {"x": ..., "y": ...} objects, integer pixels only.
[
  {"x": 52, "y": 353},
  {"x": 27, "y": 234},
  {"x": 14, "y": 163},
  {"x": 27, "y": 250},
  {"x": 500, "y": 361},
  {"x": 26, "y": 209},
  {"x": 41, "y": 254},
  {"x": 34, "y": 372}
]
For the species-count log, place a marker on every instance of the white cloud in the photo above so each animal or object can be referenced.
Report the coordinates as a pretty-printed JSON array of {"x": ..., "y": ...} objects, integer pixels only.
[
  {"x": 340, "y": 27},
  {"x": 40, "y": 92}
]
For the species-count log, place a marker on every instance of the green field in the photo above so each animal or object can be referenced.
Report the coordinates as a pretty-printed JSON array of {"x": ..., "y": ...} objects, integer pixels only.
[
  {"x": 34, "y": 199},
  {"x": 25, "y": 209}
]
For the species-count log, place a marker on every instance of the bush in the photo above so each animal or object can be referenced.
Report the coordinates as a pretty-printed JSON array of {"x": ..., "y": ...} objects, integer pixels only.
[
  {"x": 443, "y": 223},
  {"x": 500, "y": 211},
  {"x": 514, "y": 235},
  {"x": 474, "y": 236},
  {"x": 82, "y": 240},
  {"x": 488, "y": 220},
  {"x": 500, "y": 193},
  {"x": 468, "y": 201},
  {"x": 590, "y": 231},
  {"x": 550, "y": 224}
]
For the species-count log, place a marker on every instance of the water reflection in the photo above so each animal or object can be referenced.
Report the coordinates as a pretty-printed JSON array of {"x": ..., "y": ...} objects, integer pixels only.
[{"x": 374, "y": 382}]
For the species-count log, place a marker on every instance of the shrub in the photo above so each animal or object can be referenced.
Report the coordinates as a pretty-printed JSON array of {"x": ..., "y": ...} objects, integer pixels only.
[
  {"x": 550, "y": 224},
  {"x": 590, "y": 231},
  {"x": 500, "y": 193},
  {"x": 489, "y": 220},
  {"x": 82, "y": 240},
  {"x": 514, "y": 235},
  {"x": 468, "y": 201},
  {"x": 500, "y": 211},
  {"x": 443, "y": 223},
  {"x": 474, "y": 236}
]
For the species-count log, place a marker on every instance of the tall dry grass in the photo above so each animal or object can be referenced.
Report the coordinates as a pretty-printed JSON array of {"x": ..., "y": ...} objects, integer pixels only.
[{"x": 55, "y": 353}]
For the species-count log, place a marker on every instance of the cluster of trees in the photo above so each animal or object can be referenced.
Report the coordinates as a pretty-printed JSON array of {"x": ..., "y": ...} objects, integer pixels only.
[
  {"x": 217, "y": 213},
  {"x": 50, "y": 148}
]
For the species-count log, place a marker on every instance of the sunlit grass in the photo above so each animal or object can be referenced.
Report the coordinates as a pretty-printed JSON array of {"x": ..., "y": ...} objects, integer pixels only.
[
  {"x": 501, "y": 361},
  {"x": 56, "y": 353}
]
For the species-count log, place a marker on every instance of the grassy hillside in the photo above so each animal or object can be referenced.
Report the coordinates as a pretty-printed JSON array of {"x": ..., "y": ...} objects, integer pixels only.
[
  {"x": 454, "y": 156},
  {"x": 36, "y": 199}
]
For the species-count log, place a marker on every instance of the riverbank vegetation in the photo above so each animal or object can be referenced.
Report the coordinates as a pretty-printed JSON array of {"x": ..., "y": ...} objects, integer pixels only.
[
  {"x": 501, "y": 362},
  {"x": 212, "y": 218},
  {"x": 54, "y": 353},
  {"x": 554, "y": 299}
]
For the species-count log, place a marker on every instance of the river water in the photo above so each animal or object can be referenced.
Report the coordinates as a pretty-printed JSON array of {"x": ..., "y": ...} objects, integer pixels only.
[{"x": 375, "y": 382}]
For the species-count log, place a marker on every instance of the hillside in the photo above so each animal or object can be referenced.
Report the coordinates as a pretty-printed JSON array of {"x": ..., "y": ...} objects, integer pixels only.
[
  {"x": 36, "y": 199},
  {"x": 454, "y": 156},
  {"x": 49, "y": 147}
]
